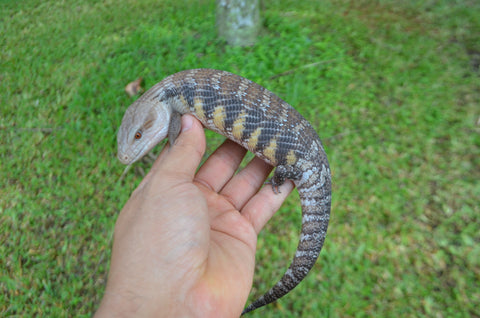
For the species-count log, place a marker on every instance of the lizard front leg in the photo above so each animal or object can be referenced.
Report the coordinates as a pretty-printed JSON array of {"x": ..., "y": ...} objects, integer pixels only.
[{"x": 174, "y": 127}]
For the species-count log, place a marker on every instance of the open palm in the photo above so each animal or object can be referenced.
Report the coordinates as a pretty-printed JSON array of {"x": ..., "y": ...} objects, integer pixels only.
[{"x": 184, "y": 244}]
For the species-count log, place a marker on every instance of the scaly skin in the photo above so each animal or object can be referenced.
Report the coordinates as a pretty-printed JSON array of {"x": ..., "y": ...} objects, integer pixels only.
[{"x": 255, "y": 118}]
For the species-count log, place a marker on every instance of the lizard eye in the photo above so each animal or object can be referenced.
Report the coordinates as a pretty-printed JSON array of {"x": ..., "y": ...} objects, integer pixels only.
[{"x": 138, "y": 135}]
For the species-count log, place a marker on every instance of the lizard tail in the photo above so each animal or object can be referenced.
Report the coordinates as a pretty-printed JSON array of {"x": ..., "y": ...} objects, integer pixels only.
[{"x": 315, "y": 196}]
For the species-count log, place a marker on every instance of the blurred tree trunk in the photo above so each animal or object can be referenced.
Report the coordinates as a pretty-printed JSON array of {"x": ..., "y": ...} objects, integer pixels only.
[{"x": 238, "y": 21}]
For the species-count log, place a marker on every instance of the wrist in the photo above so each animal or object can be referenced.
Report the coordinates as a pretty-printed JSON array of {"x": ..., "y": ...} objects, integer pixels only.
[{"x": 131, "y": 304}]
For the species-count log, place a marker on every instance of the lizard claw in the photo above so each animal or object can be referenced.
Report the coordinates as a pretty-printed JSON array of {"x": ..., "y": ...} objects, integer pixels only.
[{"x": 275, "y": 186}]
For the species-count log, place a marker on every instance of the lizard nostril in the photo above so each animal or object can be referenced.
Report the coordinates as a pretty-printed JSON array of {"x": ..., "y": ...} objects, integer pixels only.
[{"x": 122, "y": 158}]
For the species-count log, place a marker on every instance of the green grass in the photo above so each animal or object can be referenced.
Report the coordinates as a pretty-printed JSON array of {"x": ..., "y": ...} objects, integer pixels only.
[{"x": 392, "y": 87}]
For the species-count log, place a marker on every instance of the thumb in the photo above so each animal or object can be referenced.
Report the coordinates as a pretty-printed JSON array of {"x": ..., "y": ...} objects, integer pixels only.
[{"x": 184, "y": 156}]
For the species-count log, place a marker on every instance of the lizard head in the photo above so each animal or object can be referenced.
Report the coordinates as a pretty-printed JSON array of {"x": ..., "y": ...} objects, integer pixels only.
[{"x": 144, "y": 125}]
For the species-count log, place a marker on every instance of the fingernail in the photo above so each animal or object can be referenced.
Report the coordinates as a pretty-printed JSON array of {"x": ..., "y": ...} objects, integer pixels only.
[{"x": 187, "y": 122}]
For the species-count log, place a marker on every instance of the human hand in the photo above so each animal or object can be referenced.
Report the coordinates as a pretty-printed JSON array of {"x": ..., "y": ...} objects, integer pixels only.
[{"x": 184, "y": 243}]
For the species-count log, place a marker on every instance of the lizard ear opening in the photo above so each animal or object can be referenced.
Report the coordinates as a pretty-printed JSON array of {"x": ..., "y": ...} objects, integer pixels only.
[{"x": 150, "y": 119}]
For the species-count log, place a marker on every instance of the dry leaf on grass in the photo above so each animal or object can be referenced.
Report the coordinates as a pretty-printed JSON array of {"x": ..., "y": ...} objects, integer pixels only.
[{"x": 134, "y": 87}]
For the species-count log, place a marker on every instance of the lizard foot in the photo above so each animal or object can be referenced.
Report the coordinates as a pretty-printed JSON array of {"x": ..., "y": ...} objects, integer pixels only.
[{"x": 282, "y": 173}]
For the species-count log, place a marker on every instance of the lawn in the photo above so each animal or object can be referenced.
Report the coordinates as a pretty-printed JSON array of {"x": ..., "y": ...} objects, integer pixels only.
[{"x": 392, "y": 87}]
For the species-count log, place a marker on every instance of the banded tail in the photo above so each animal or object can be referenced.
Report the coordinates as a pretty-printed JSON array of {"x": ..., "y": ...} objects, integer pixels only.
[{"x": 315, "y": 197}]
